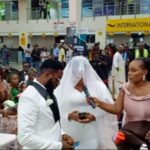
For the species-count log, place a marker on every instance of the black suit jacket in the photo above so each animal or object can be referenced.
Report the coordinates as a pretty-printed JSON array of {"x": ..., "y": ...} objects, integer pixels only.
[{"x": 22, "y": 76}]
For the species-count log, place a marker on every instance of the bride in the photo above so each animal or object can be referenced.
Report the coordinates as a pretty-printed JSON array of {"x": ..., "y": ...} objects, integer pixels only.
[{"x": 93, "y": 128}]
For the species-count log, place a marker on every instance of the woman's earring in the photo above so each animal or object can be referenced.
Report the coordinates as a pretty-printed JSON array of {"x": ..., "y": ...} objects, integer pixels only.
[{"x": 144, "y": 77}]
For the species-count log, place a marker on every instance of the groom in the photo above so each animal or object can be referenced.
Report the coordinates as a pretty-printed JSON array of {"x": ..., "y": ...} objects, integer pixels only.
[{"x": 38, "y": 114}]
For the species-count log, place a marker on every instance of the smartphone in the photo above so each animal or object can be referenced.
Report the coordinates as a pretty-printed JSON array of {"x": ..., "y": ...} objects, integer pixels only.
[
  {"x": 82, "y": 115},
  {"x": 77, "y": 143}
]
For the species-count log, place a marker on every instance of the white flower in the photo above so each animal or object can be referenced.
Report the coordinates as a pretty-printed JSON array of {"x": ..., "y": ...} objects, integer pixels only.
[{"x": 49, "y": 102}]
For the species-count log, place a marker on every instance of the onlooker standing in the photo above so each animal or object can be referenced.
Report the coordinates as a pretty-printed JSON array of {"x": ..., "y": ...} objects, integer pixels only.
[
  {"x": 28, "y": 51},
  {"x": 62, "y": 56},
  {"x": 42, "y": 6},
  {"x": 48, "y": 6},
  {"x": 35, "y": 55},
  {"x": 56, "y": 51},
  {"x": 118, "y": 69},
  {"x": 141, "y": 51},
  {"x": 44, "y": 54},
  {"x": 24, "y": 72},
  {"x": 128, "y": 57},
  {"x": 68, "y": 55},
  {"x": 5, "y": 55},
  {"x": 96, "y": 52},
  {"x": 22, "y": 51}
]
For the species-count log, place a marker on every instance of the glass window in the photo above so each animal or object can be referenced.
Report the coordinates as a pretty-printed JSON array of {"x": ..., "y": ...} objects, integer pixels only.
[
  {"x": 109, "y": 7},
  {"x": 9, "y": 10},
  {"x": 43, "y": 9},
  {"x": 98, "y": 7},
  {"x": 87, "y": 8},
  {"x": 65, "y": 8},
  {"x": 35, "y": 3},
  {"x": 2, "y": 11},
  {"x": 145, "y": 6},
  {"x": 34, "y": 11}
]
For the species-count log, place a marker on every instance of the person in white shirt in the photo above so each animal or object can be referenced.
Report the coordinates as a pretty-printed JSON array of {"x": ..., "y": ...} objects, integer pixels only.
[
  {"x": 44, "y": 54},
  {"x": 38, "y": 114},
  {"x": 28, "y": 51},
  {"x": 118, "y": 69}
]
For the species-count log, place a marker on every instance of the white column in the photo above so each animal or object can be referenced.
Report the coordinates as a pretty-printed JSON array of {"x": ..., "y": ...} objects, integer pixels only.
[
  {"x": 101, "y": 37},
  {"x": 75, "y": 12},
  {"x": 101, "y": 34},
  {"x": 23, "y": 4},
  {"x": 59, "y": 15}
]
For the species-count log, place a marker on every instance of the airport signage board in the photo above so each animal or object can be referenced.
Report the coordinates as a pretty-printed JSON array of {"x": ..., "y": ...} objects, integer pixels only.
[{"x": 128, "y": 25}]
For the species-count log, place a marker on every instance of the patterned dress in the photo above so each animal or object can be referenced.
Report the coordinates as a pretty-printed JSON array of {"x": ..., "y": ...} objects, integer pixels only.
[
  {"x": 4, "y": 93},
  {"x": 9, "y": 125}
]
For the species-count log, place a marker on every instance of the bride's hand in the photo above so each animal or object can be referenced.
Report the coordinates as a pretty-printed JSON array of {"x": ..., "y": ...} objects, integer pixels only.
[
  {"x": 87, "y": 118},
  {"x": 74, "y": 116}
]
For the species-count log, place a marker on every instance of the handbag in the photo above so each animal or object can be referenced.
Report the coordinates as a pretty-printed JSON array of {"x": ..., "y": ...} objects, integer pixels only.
[{"x": 132, "y": 135}]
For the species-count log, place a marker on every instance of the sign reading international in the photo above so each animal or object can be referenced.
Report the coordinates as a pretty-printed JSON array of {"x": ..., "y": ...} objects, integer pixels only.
[{"x": 128, "y": 25}]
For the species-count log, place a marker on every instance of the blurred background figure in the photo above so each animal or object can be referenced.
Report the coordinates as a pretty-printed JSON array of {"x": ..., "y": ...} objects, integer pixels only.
[
  {"x": 13, "y": 80},
  {"x": 5, "y": 54},
  {"x": 35, "y": 55},
  {"x": 48, "y": 7},
  {"x": 118, "y": 70},
  {"x": 141, "y": 51},
  {"x": 28, "y": 51},
  {"x": 4, "y": 91},
  {"x": 24, "y": 73},
  {"x": 44, "y": 54},
  {"x": 42, "y": 6},
  {"x": 62, "y": 54},
  {"x": 32, "y": 74},
  {"x": 56, "y": 51}
]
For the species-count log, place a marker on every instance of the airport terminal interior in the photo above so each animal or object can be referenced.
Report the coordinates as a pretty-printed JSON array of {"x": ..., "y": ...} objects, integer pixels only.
[{"x": 104, "y": 42}]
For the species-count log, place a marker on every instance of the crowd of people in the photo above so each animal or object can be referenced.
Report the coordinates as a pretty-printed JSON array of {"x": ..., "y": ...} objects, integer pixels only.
[{"x": 49, "y": 91}]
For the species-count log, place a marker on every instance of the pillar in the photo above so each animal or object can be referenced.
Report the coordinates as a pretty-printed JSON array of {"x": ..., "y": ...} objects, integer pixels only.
[
  {"x": 75, "y": 12},
  {"x": 22, "y": 10}
]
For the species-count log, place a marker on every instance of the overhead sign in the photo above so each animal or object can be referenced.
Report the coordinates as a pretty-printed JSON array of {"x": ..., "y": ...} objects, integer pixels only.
[{"x": 128, "y": 25}]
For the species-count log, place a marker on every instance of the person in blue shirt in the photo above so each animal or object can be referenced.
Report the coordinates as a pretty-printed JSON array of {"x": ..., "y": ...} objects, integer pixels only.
[{"x": 56, "y": 51}]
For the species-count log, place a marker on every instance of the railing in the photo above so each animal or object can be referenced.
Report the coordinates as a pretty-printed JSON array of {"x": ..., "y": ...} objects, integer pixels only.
[
  {"x": 56, "y": 12},
  {"x": 119, "y": 9},
  {"x": 7, "y": 15},
  {"x": 37, "y": 14}
]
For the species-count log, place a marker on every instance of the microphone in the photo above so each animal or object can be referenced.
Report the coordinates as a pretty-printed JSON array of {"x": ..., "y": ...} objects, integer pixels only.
[{"x": 87, "y": 94}]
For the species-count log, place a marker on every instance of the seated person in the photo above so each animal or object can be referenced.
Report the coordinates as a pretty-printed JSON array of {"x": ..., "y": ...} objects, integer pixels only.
[{"x": 13, "y": 80}]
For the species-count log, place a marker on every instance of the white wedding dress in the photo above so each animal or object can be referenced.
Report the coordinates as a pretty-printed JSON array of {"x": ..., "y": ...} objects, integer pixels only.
[
  {"x": 96, "y": 134},
  {"x": 84, "y": 133}
]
